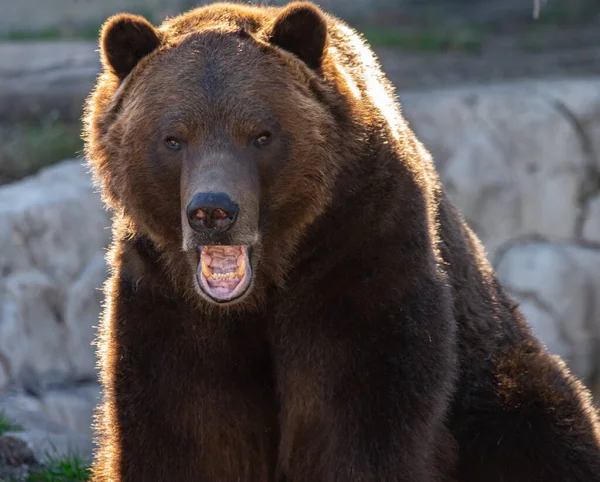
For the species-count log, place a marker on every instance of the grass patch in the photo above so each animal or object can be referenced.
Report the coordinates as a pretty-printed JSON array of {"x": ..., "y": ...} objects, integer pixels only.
[
  {"x": 20, "y": 35},
  {"x": 8, "y": 426},
  {"x": 54, "y": 142},
  {"x": 82, "y": 32},
  {"x": 68, "y": 469},
  {"x": 55, "y": 469},
  {"x": 26, "y": 148},
  {"x": 426, "y": 39}
]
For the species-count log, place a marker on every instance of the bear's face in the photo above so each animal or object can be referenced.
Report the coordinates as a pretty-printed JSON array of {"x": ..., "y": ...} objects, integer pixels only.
[{"x": 212, "y": 142}]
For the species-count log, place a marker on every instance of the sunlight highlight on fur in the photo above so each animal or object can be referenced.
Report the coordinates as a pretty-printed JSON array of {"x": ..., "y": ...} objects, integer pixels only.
[{"x": 376, "y": 88}]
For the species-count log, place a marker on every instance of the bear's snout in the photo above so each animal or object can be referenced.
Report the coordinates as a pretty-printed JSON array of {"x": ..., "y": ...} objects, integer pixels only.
[{"x": 211, "y": 212}]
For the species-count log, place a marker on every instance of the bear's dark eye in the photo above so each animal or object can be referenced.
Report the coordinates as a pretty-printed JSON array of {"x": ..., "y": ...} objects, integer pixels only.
[
  {"x": 263, "y": 139},
  {"x": 173, "y": 143}
]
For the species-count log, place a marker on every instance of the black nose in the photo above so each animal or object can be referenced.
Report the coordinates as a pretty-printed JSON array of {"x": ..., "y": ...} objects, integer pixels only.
[{"x": 211, "y": 212}]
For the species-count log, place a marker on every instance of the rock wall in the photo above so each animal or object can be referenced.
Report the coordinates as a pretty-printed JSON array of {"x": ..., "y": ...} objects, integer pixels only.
[
  {"x": 54, "y": 233},
  {"x": 46, "y": 81},
  {"x": 522, "y": 161}
]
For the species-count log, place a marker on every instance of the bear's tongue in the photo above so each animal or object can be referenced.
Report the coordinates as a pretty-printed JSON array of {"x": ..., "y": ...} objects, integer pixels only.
[{"x": 223, "y": 271}]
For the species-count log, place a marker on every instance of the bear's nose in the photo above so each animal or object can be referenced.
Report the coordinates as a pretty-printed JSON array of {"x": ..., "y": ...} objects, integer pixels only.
[{"x": 211, "y": 212}]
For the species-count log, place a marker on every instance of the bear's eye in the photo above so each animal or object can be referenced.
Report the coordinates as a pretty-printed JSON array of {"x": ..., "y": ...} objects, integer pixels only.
[
  {"x": 263, "y": 139},
  {"x": 172, "y": 143}
]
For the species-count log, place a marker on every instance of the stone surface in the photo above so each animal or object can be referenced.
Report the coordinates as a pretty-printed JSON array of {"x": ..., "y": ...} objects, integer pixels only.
[
  {"x": 516, "y": 158},
  {"x": 82, "y": 309},
  {"x": 48, "y": 438},
  {"x": 72, "y": 407},
  {"x": 521, "y": 160},
  {"x": 46, "y": 81},
  {"x": 16, "y": 457},
  {"x": 557, "y": 285},
  {"x": 15, "y": 452},
  {"x": 591, "y": 225},
  {"x": 53, "y": 238}
]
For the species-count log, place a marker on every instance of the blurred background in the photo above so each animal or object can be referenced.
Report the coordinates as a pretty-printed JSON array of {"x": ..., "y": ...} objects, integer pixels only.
[{"x": 508, "y": 102}]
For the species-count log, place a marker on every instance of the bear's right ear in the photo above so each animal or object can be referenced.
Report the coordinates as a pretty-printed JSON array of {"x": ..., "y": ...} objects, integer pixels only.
[{"x": 125, "y": 40}]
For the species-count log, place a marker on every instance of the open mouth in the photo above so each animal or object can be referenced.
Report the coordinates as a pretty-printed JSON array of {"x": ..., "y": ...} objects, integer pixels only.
[{"x": 224, "y": 272}]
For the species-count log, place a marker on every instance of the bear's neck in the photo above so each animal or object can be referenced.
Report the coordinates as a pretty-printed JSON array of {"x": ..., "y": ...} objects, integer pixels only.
[{"x": 376, "y": 196}]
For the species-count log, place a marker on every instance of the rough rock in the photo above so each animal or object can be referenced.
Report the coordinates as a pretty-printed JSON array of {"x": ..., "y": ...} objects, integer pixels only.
[
  {"x": 15, "y": 452},
  {"x": 54, "y": 231},
  {"x": 591, "y": 225},
  {"x": 70, "y": 406},
  {"x": 557, "y": 285},
  {"x": 516, "y": 158},
  {"x": 52, "y": 426},
  {"x": 16, "y": 458},
  {"x": 82, "y": 309},
  {"x": 522, "y": 161},
  {"x": 46, "y": 81},
  {"x": 48, "y": 438},
  {"x": 43, "y": 86}
]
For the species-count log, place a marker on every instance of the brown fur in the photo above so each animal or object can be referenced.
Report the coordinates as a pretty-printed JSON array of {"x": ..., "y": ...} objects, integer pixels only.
[{"x": 375, "y": 344}]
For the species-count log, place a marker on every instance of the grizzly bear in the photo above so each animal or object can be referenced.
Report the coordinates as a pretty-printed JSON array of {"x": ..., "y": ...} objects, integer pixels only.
[{"x": 293, "y": 297}]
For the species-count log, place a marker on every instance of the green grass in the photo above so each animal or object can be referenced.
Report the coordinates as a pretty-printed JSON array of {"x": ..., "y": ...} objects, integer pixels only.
[
  {"x": 426, "y": 39},
  {"x": 28, "y": 147},
  {"x": 20, "y": 35},
  {"x": 8, "y": 426},
  {"x": 54, "y": 142},
  {"x": 68, "y": 469},
  {"x": 81, "y": 32},
  {"x": 64, "y": 469}
]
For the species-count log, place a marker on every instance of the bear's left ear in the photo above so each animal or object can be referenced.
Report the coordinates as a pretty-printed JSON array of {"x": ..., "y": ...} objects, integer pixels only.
[
  {"x": 301, "y": 28},
  {"x": 125, "y": 40}
]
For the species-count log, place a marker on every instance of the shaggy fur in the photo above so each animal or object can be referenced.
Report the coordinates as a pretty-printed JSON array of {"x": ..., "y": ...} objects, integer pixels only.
[{"x": 375, "y": 343}]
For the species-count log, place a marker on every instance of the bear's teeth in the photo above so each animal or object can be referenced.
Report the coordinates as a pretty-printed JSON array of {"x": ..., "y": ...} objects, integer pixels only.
[
  {"x": 223, "y": 275},
  {"x": 206, "y": 270},
  {"x": 241, "y": 269}
]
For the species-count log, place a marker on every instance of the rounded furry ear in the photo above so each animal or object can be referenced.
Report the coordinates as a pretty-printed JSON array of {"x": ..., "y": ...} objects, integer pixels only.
[
  {"x": 125, "y": 40},
  {"x": 301, "y": 28}
]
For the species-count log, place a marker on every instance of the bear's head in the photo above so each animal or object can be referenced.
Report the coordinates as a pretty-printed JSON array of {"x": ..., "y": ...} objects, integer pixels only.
[{"x": 210, "y": 136}]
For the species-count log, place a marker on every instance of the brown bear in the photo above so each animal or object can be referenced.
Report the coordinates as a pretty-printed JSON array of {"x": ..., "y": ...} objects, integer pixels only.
[{"x": 293, "y": 297}]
